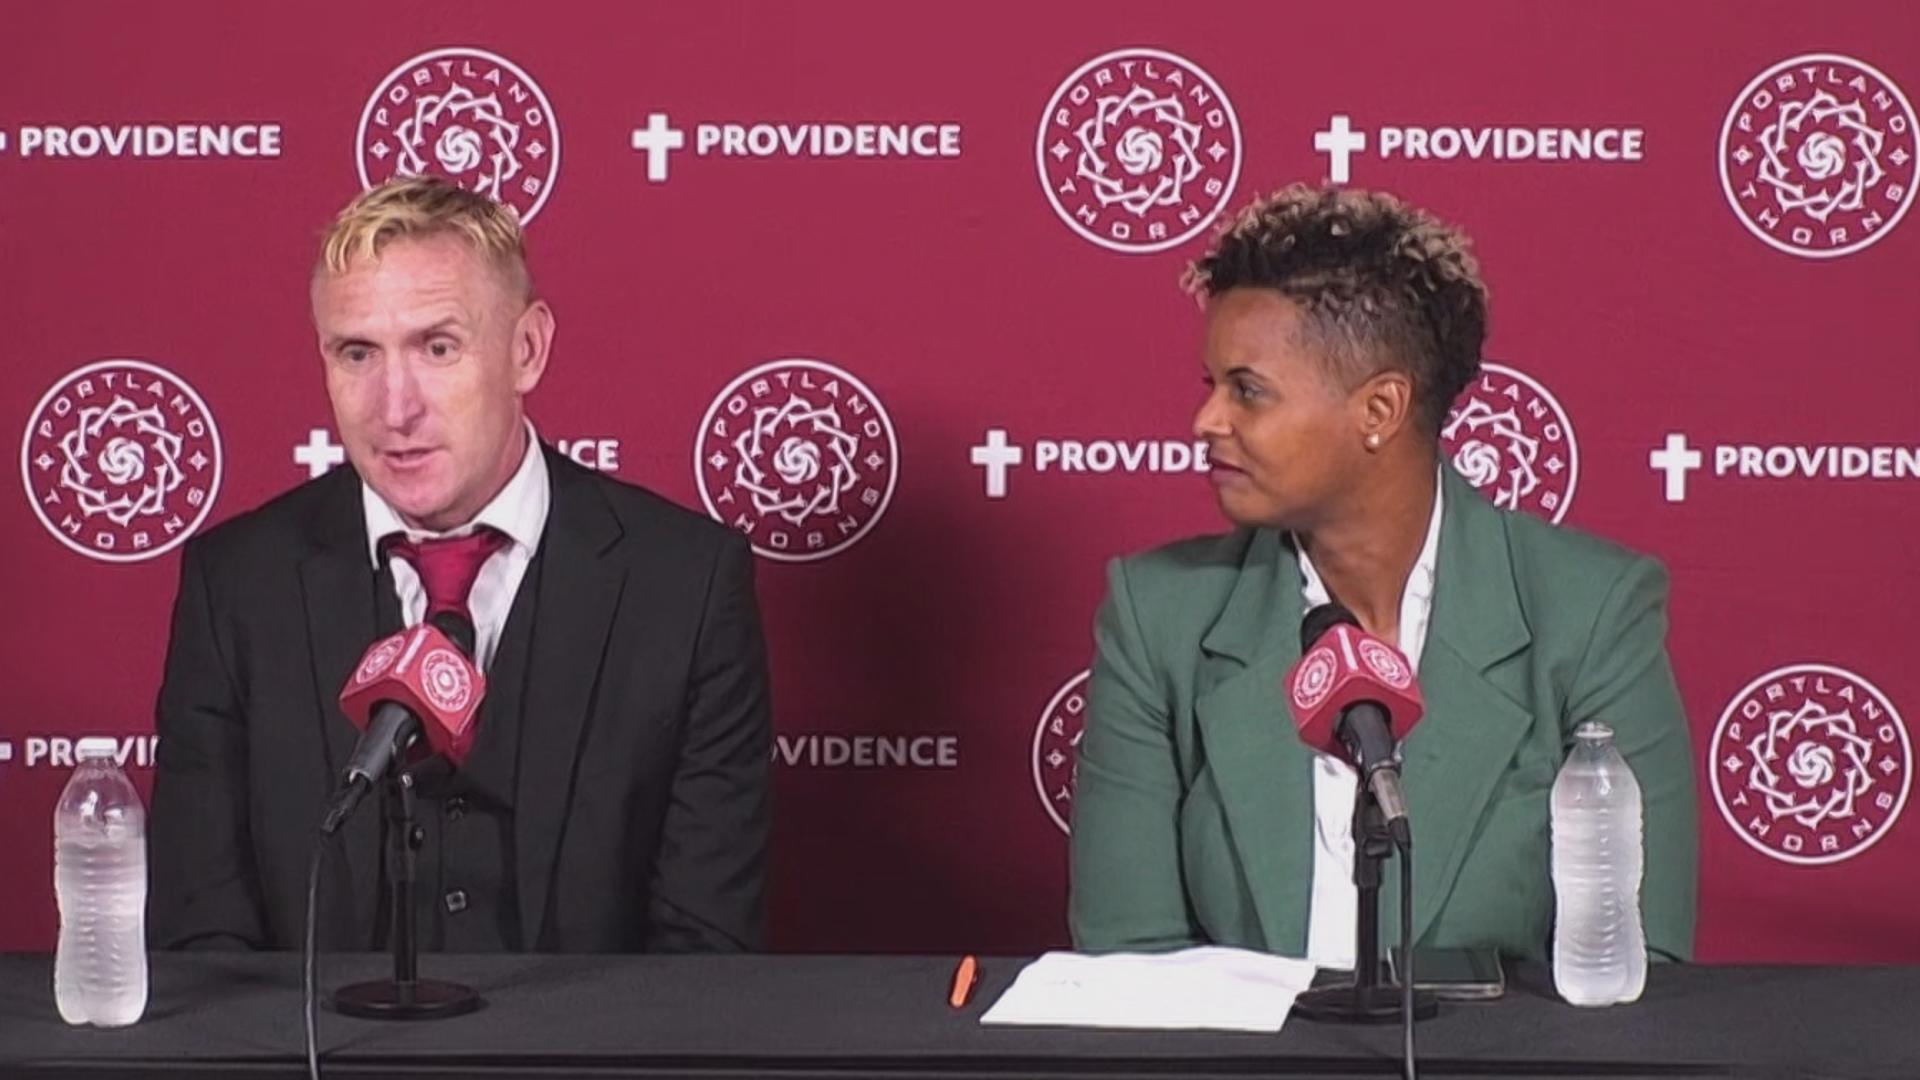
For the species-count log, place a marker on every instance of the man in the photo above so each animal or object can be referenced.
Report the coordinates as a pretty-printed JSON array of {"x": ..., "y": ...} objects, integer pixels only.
[{"x": 615, "y": 795}]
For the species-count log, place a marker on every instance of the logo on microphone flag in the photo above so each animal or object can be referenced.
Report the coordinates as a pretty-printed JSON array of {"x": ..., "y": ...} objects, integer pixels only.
[
  {"x": 1343, "y": 666},
  {"x": 1386, "y": 663},
  {"x": 379, "y": 659},
  {"x": 1314, "y": 678},
  {"x": 447, "y": 679},
  {"x": 420, "y": 669},
  {"x": 1317, "y": 673}
]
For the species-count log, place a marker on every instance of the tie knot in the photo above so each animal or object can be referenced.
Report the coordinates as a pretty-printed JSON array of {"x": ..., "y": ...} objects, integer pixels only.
[{"x": 448, "y": 566}]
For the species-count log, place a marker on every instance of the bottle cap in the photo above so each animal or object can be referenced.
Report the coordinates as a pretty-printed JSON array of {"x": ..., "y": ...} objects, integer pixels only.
[
  {"x": 96, "y": 746},
  {"x": 1593, "y": 731}
]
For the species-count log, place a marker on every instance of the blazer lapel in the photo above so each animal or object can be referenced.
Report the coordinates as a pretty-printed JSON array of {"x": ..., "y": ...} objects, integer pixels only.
[
  {"x": 1474, "y": 717},
  {"x": 339, "y": 592},
  {"x": 580, "y": 587},
  {"x": 1264, "y": 773}
]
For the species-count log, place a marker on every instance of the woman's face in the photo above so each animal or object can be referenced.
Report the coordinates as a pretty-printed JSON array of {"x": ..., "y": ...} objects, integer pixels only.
[{"x": 1283, "y": 437}]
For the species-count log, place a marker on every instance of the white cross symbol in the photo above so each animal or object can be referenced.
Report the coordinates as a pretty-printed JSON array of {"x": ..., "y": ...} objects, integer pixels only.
[
  {"x": 657, "y": 139},
  {"x": 318, "y": 454},
  {"x": 1676, "y": 461},
  {"x": 995, "y": 455},
  {"x": 1339, "y": 142}
]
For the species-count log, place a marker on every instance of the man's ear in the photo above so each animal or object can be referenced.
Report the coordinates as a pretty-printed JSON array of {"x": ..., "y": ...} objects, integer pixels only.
[{"x": 532, "y": 340}]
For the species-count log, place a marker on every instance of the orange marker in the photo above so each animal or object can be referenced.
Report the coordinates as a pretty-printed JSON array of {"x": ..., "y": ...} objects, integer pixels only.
[{"x": 964, "y": 977}]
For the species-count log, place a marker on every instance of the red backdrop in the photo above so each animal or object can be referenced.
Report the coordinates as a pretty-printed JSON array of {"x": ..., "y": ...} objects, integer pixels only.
[{"x": 1692, "y": 235}]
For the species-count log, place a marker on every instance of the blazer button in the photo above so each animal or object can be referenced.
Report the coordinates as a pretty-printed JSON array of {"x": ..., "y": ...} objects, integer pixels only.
[{"x": 456, "y": 901}]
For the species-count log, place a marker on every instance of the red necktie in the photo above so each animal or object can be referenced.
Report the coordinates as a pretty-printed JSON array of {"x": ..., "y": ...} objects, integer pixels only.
[{"x": 448, "y": 567}]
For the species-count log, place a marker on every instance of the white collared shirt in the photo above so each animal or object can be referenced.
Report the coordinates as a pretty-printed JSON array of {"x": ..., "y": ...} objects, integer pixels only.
[
  {"x": 1334, "y": 914},
  {"x": 519, "y": 511}
]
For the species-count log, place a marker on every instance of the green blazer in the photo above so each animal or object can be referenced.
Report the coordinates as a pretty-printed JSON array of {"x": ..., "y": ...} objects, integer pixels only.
[{"x": 1193, "y": 808}]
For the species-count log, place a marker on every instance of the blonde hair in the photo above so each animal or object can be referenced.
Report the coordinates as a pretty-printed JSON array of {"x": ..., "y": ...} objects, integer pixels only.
[{"x": 416, "y": 207}]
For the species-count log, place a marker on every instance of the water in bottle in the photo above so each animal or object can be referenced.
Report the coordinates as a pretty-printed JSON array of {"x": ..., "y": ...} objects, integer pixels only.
[
  {"x": 100, "y": 878},
  {"x": 1599, "y": 944}
]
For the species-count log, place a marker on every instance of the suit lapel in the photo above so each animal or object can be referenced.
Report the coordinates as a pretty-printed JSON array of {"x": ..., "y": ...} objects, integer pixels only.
[
  {"x": 580, "y": 587},
  {"x": 1264, "y": 774},
  {"x": 339, "y": 592},
  {"x": 1474, "y": 713},
  {"x": 1474, "y": 719}
]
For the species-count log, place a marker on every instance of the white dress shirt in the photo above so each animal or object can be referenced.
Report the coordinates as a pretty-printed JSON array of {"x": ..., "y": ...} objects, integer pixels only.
[
  {"x": 1334, "y": 915},
  {"x": 519, "y": 511}
]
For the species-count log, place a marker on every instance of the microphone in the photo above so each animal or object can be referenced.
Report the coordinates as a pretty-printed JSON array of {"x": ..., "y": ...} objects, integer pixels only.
[
  {"x": 1353, "y": 695},
  {"x": 418, "y": 684}
]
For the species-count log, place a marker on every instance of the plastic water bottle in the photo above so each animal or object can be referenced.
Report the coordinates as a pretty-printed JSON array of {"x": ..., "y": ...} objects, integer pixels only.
[
  {"x": 100, "y": 877},
  {"x": 1599, "y": 945}
]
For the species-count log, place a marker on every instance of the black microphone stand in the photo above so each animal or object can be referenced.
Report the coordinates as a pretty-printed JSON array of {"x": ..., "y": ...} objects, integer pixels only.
[
  {"x": 1366, "y": 1000},
  {"x": 406, "y": 996}
]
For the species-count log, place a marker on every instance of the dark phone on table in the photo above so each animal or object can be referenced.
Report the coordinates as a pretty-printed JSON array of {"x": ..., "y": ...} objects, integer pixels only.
[{"x": 1453, "y": 974}]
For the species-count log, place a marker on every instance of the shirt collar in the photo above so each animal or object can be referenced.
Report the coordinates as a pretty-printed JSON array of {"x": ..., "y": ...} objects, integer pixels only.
[
  {"x": 519, "y": 511},
  {"x": 1425, "y": 568}
]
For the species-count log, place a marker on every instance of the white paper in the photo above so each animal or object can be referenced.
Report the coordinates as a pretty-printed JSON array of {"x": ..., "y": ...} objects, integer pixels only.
[{"x": 1209, "y": 987}]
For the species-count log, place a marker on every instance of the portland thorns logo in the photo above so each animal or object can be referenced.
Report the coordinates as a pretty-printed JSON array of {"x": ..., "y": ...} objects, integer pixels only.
[
  {"x": 448, "y": 683},
  {"x": 1817, "y": 156},
  {"x": 800, "y": 456},
  {"x": 1386, "y": 664},
  {"x": 1056, "y": 748},
  {"x": 1811, "y": 764},
  {"x": 121, "y": 460},
  {"x": 1138, "y": 150},
  {"x": 1315, "y": 679},
  {"x": 466, "y": 115},
  {"x": 1511, "y": 439},
  {"x": 379, "y": 659}
]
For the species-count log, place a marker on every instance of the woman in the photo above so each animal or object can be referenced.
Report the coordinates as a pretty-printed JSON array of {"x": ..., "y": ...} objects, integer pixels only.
[{"x": 1340, "y": 326}]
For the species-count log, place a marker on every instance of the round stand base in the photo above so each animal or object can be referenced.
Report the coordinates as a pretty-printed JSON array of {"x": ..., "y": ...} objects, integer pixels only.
[
  {"x": 425, "y": 999},
  {"x": 1378, "y": 1004}
]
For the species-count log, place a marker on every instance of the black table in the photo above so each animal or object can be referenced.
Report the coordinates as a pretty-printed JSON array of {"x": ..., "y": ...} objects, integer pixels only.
[{"x": 232, "y": 1015}]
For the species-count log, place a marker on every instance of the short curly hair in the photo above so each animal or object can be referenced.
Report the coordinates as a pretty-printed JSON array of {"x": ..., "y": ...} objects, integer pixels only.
[{"x": 1383, "y": 285}]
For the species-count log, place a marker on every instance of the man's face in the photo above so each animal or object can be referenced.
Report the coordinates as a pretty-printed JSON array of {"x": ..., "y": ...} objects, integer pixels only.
[{"x": 428, "y": 351}]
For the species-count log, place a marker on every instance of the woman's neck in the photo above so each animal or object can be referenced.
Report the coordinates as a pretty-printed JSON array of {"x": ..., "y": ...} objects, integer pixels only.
[{"x": 1365, "y": 553}]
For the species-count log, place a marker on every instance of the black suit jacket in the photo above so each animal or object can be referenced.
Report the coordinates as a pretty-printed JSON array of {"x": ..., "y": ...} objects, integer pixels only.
[{"x": 640, "y": 803}]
